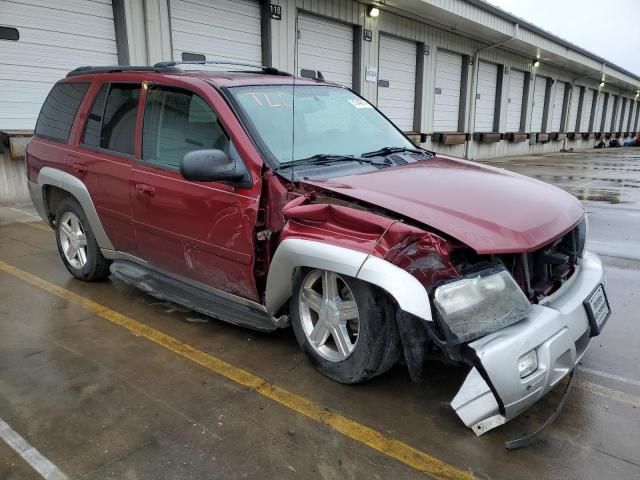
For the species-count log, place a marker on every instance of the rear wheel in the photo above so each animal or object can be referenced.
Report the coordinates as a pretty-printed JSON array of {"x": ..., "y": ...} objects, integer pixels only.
[
  {"x": 345, "y": 326},
  {"x": 77, "y": 245}
]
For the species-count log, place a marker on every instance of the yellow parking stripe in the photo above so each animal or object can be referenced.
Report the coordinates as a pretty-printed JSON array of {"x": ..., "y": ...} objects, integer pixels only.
[{"x": 368, "y": 436}]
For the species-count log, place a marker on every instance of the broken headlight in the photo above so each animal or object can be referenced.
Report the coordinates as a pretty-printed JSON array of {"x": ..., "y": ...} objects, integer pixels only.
[{"x": 479, "y": 304}]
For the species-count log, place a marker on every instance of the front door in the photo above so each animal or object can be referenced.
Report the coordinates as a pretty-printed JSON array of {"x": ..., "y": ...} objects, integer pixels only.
[{"x": 198, "y": 230}]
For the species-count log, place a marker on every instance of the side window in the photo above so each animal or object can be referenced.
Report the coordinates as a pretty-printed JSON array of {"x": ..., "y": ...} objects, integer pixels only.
[
  {"x": 112, "y": 122},
  {"x": 176, "y": 122},
  {"x": 59, "y": 110}
]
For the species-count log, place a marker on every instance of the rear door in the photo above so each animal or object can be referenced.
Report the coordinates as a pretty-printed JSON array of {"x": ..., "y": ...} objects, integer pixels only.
[
  {"x": 105, "y": 156},
  {"x": 202, "y": 231}
]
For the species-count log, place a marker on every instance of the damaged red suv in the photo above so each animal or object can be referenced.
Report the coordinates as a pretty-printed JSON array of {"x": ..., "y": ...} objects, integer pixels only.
[{"x": 269, "y": 201}]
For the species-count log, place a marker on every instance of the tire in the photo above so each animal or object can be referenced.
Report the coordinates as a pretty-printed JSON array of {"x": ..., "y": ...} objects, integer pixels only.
[
  {"x": 374, "y": 342},
  {"x": 72, "y": 229}
]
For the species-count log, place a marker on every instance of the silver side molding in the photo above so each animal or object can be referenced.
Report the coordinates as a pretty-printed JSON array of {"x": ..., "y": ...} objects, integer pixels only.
[
  {"x": 292, "y": 253},
  {"x": 73, "y": 185}
]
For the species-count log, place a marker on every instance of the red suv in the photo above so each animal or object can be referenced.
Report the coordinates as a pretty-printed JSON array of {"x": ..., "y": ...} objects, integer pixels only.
[{"x": 267, "y": 201}]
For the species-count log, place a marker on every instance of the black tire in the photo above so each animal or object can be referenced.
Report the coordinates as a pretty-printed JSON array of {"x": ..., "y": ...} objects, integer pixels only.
[
  {"x": 96, "y": 267},
  {"x": 378, "y": 347}
]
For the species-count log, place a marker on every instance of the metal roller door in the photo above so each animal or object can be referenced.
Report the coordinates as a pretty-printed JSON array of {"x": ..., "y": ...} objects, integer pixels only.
[
  {"x": 616, "y": 114},
  {"x": 537, "y": 110},
  {"x": 607, "y": 120},
  {"x": 486, "y": 97},
  {"x": 573, "y": 110},
  {"x": 446, "y": 105},
  {"x": 514, "y": 100},
  {"x": 587, "y": 104},
  {"x": 635, "y": 122},
  {"x": 326, "y": 46},
  {"x": 627, "y": 123},
  {"x": 51, "y": 42},
  {"x": 217, "y": 29},
  {"x": 598, "y": 118},
  {"x": 558, "y": 103},
  {"x": 397, "y": 80}
]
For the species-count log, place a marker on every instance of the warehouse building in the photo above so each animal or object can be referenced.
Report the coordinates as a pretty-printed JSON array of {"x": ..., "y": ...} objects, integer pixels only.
[{"x": 462, "y": 76}]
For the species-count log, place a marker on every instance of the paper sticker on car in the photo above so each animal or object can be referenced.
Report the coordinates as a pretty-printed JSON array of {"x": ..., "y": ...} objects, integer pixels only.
[{"x": 359, "y": 103}]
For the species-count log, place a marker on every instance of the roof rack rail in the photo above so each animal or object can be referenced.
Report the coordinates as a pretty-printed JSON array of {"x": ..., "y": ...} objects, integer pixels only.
[
  {"x": 263, "y": 68},
  {"x": 87, "y": 70}
]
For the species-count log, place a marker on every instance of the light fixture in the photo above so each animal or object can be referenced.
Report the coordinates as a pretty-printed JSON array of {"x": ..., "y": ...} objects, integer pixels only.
[
  {"x": 374, "y": 11},
  {"x": 602, "y": 84},
  {"x": 536, "y": 64}
]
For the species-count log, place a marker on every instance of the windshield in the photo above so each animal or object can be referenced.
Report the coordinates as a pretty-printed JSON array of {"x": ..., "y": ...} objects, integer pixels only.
[{"x": 328, "y": 120}]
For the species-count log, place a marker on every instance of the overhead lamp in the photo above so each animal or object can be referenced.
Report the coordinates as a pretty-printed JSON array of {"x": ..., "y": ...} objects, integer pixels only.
[
  {"x": 536, "y": 64},
  {"x": 374, "y": 12},
  {"x": 602, "y": 84}
]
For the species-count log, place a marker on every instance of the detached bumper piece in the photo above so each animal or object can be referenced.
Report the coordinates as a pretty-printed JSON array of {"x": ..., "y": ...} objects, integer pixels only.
[{"x": 558, "y": 330}]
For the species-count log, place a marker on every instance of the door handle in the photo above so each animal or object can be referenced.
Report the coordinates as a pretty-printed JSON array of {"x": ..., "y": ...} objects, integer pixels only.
[
  {"x": 145, "y": 190},
  {"x": 80, "y": 169}
]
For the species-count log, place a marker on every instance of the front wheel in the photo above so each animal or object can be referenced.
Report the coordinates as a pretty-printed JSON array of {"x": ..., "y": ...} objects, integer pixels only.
[{"x": 345, "y": 326}]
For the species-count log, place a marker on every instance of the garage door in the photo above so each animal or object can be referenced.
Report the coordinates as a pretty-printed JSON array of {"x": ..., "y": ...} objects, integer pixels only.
[
  {"x": 558, "y": 103},
  {"x": 607, "y": 121},
  {"x": 627, "y": 122},
  {"x": 446, "y": 106},
  {"x": 587, "y": 104},
  {"x": 537, "y": 110},
  {"x": 326, "y": 46},
  {"x": 598, "y": 118},
  {"x": 218, "y": 29},
  {"x": 514, "y": 100},
  {"x": 51, "y": 42},
  {"x": 635, "y": 122},
  {"x": 397, "y": 80},
  {"x": 573, "y": 110},
  {"x": 616, "y": 114},
  {"x": 486, "y": 97}
]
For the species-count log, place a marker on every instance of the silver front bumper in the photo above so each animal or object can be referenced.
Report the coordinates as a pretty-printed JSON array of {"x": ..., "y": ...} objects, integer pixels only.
[{"x": 558, "y": 330}]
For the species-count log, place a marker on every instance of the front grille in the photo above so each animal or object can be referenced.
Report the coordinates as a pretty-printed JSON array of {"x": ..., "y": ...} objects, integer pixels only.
[{"x": 544, "y": 271}]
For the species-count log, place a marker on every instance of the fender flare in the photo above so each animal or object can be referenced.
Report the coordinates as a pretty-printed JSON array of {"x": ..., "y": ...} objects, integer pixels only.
[
  {"x": 292, "y": 253},
  {"x": 77, "y": 189}
]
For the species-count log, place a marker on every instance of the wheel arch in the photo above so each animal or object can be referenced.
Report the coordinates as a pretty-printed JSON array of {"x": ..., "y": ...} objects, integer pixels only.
[
  {"x": 294, "y": 253},
  {"x": 55, "y": 183}
]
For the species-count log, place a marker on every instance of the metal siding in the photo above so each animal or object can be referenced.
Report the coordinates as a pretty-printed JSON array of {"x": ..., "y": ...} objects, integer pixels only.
[
  {"x": 219, "y": 29},
  {"x": 573, "y": 110},
  {"x": 327, "y": 46},
  {"x": 398, "y": 67},
  {"x": 448, "y": 79},
  {"x": 52, "y": 42},
  {"x": 586, "y": 110},
  {"x": 558, "y": 99},
  {"x": 486, "y": 96},
  {"x": 514, "y": 101},
  {"x": 537, "y": 109}
]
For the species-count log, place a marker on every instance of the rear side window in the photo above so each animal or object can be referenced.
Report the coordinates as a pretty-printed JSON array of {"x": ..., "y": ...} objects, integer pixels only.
[
  {"x": 112, "y": 122},
  {"x": 176, "y": 122},
  {"x": 59, "y": 110}
]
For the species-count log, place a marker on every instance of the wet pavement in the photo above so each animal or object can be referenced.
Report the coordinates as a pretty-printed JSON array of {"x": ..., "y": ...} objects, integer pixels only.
[{"x": 100, "y": 402}]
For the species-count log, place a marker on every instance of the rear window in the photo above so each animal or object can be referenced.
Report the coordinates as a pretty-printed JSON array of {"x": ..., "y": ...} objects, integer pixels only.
[{"x": 59, "y": 110}]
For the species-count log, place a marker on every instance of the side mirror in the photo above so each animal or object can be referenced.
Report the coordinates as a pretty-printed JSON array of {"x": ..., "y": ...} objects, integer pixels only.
[{"x": 210, "y": 166}]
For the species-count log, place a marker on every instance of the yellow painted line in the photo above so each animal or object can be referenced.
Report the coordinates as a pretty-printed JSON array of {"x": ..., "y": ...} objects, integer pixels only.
[{"x": 374, "y": 439}]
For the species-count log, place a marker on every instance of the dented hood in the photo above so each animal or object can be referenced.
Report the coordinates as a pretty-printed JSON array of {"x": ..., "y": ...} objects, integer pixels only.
[{"x": 489, "y": 209}]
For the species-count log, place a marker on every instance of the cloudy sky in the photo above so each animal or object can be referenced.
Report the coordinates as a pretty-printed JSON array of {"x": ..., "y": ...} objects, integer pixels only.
[{"x": 608, "y": 28}]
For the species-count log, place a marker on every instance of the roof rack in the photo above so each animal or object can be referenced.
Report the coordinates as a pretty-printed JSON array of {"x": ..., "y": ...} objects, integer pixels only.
[
  {"x": 87, "y": 70},
  {"x": 262, "y": 68}
]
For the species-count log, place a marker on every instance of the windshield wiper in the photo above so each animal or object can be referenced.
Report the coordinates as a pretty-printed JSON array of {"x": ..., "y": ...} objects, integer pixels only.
[
  {"x": 389, "y": 150},
  {"x": 326, "y": 159}
]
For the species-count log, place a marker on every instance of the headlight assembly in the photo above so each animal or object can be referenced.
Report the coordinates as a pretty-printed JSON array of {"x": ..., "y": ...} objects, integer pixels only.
[
  {"x": 480, "y": 304},
  {"x": 582, "y": 231}
]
